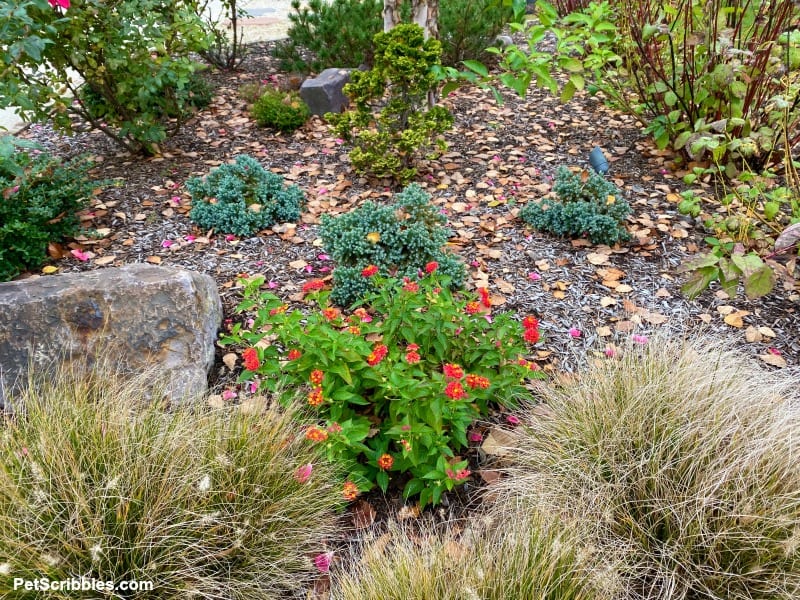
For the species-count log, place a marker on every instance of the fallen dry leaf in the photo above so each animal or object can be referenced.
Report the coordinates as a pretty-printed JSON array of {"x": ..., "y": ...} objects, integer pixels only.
[
  {"x": 773, "y": 359},
  {"x": 596, "y": 258},
  {"x": 498, "y": 442},
  {"x": 735, "y": 319},
  {"x": 156, "y": 260},
  {"x": 230, "y": 360},
  {"x": 752, "y": 335},
  {"x": 105, "y": 260}
]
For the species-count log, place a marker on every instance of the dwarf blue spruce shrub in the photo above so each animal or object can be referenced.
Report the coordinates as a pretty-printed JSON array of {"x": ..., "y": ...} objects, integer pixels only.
[
  {"x": 586, "y": 206},
  {"x": 242, "y": 198},
  {"x": 400, "y": 239}
]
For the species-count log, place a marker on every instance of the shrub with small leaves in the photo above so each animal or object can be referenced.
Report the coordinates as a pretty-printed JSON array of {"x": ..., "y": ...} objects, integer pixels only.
[
  {"x": 400, "y": 239},
  {"x": 587, "y": 205},
  {"x": 390, "y": 123},
  {"x": 242, "y": 198},
  {"x": 280, "y": 110},
  {"x": 39, "y": 199}
]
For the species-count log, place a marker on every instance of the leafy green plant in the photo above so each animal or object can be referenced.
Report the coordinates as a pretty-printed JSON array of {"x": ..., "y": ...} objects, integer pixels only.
[
  {"x": 586, "y": 205},
  {"x": 317, "y": 40},
  {"x": 684, "y": 457},
  {"x": 728, "y": 264},
  {"x": 242, "y": 198},
  {"x": 195, "y": 95},
  {"x": 40, "y": 199},
  {"x": 134, "y": 54},
  {"x": 388, "y": 134},
  {"x": 399, "y": 239},
  {"x": 396, "y": 385},
  {"x": 284, "y": 111},
  {"x": 95, "y": 482},
  {"x": 714, "y": 79}
]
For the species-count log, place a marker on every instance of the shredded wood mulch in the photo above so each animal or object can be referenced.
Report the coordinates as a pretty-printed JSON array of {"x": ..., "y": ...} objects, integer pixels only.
[{"x": 499, "y": 158}]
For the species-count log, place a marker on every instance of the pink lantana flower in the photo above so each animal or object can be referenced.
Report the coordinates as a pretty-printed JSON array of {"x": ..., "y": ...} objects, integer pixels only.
[{"x": 323, "y": 561}]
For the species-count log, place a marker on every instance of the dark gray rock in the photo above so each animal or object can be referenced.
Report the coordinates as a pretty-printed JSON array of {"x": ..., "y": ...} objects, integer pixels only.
[
  {"x": 324, "y": 93},
  {"x": 140, "y": 315}
]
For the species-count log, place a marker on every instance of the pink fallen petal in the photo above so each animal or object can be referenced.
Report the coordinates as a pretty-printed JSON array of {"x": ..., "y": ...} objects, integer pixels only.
[
  {"x": 303, "y": 472},
  {"x": 176, "y": 199},
  {"x": 323, "y": 257},
  {"x": 167, "y": 243},
  {"x": 228, "y": 395},
  {"x": 323, "y": 561},
  {"x": 309, "y": 268},
  {"x": 80, "y": 255},
  {"x": 190, "y": 238},
  {"x": 230, "y": 237},
  {"x": 534, "y": 276},
  {"x": 639, "y": 339},
  {"x": 610, "y": 352},
  {"x": 475, "y": 436},
  {"x": 272, "y": 285},
  {"x": 513, "y": 420},
  {"x": 575, "y": 332}
]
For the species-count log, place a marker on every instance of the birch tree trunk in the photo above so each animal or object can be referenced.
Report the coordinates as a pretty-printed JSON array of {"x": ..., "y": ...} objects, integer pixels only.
[
  {"x": 425, "y": 13},
  {"x": 391, "y": 14}
]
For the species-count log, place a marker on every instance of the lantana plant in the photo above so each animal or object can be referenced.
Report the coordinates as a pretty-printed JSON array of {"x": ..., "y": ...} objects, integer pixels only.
[{"x": 398, "y": 382}]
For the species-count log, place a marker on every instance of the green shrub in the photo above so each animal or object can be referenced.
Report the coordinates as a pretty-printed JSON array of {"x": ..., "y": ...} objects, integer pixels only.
[
  {"x": 525, "y": 557},
  {"x": 336, "y": 34},
  {"x": 400, "y": 239},
  {"x": 317, "y": 40},
  {"x": 388, "y": 134},
  {"x": 284, "y": 111},
  {"x": 40, "y": 199},
  {"x": 588, "y": 205},
  {"x": 196, "y": 94},
  {"x": 395, "y": 387},
  {"x": 242, "y": 198},
  {"x": 95, "y": 484},
  {"x": 685, "y": 457},
  {"x": 134, "y": 54}
]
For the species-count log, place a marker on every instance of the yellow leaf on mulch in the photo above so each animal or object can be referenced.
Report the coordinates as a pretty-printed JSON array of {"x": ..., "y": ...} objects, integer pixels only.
[
  {"x": 298, "y": 264},
  {"x": 735, "y": 319}
]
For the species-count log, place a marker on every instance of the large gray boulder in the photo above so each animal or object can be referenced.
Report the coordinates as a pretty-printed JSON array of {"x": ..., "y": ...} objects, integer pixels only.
[
  {"x": 138, "y": 315},
  {"x": 324, "y": 93}
]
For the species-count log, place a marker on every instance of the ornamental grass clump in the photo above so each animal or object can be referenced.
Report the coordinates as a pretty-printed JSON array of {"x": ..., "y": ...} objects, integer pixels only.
[
  {"x": 530, "y": 556},
  {"x": 396, "y": 384},
  {"x": 399, "y": 239},
  {"x": 95, "y": 483},
  {"x": 686, "y": 457},
  {"x": 586, "y": 205},
  {"x": 243, "y": 198}
]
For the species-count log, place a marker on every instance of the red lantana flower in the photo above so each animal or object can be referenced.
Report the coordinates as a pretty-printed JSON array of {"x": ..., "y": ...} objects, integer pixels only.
[
  {"x": 316, "y": 377},
  {"x": 354, "y": 329},
  {"x": 294, "y": 354},
  {"x": 385, "y": 462},
  {"x": 431, "y": 267},
  {"x": 484, "y": 294},
  {"x": 477, "y": 381},
  {"x": 250, "y": 357},
  {"x": 313, "y": 285},
  {"x": 377, "y": 355},
  {"x": 278, "y": 310},
  {"x": 369, "y": 271},
  {"x": 453, "y": 371},
  {"x": 315, "y": 398},
  {"x": 350, "y": 490},
  {"x": 531, "y": 336},
  {"x": 455, "y": 390},
  {"x": 459, "y": 475},
  {"x": 413, "y": 357},
  {"x": 472, "y": 308},
  {"x": 530, "y": 322},
  {"x": 410, "y": 286},
  {"x": 315, "y": 434},
  {"x": 331, "y": 313}
]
